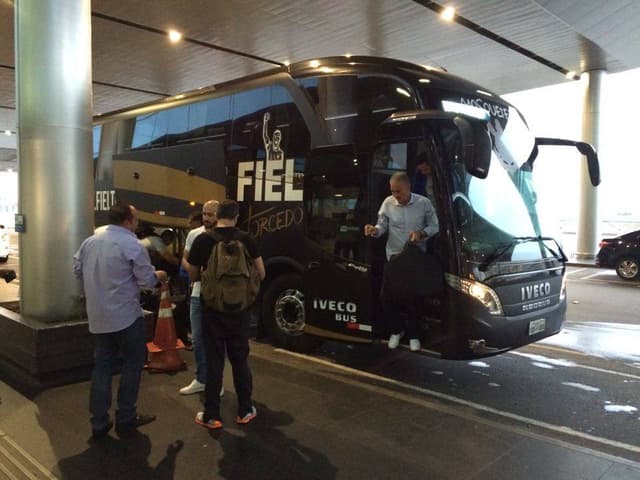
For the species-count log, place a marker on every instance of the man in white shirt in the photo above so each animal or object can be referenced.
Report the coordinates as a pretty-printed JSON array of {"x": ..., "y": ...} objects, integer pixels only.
[
  {"x": 209, "y": 220},
  {"x": 407, "y": 217}
]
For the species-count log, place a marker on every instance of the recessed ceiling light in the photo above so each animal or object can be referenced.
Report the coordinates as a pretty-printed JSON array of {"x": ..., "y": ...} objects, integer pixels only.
[
  {"x": 286, "y": 63},
  {"x": 448, "y": 14},
  {"x": 175, "y": 36}
]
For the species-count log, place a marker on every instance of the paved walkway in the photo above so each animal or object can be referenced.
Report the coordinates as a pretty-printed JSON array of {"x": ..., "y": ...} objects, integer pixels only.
[{"x": 314, "y": 421}]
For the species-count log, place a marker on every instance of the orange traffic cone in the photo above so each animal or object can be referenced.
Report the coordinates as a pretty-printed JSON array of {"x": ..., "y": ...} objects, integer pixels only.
[{"x": 163, "y": 351}]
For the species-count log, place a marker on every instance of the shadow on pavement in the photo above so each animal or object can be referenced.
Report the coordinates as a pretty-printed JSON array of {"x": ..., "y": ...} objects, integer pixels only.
[
  {"x": 261, "y": 450},
  {"x": 119, "y": 458}
]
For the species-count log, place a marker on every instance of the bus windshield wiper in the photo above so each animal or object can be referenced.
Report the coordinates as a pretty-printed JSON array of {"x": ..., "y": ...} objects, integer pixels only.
[
  {"x": 498, "y": 252},
  {"x": 560, "y": 256}
]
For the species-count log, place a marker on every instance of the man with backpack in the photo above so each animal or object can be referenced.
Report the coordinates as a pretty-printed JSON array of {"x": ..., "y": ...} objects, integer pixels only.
[{"x": 227, "y": 263}]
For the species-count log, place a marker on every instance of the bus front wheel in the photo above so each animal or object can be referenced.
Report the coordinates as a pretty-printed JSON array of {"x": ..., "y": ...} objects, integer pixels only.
[{"x": 283, "y": 314}]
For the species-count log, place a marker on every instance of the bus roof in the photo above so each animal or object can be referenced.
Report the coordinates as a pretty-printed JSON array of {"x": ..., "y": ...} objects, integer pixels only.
[{"x": 337, "y": 65}]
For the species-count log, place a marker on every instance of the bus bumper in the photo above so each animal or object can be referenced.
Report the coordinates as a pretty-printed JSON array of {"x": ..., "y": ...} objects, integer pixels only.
[{"x": 484, "y": 334}]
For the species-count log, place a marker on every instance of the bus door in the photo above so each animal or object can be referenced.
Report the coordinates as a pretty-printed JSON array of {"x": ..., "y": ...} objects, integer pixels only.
[{"x": 337, "y": 281}]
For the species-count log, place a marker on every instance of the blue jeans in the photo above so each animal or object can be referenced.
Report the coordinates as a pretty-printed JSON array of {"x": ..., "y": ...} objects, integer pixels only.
[
  {"x": 131, "y": 342},
  {"x": 195, "y": 317}
]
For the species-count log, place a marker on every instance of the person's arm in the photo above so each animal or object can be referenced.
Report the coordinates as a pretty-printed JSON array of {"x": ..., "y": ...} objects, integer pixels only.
[
  {"x": 383, "y": 220},
  {"x": 77, "y": 263},
  {"x": 144, "y": 272},
  {"x": 191, "y": 236},
  {"x": 431, "y": 219},
  {"x": 162, "y": 276},
  {"x": 259, "y": 264},
  {"x": 196, "y": 258},
  {"x": 166, "y": 254},
  {"x": 184, "y": 263},
  {"x": 265, "y": 133},
  {"x": 194, "y": 272},
  {"x": 382, "y": 225}
]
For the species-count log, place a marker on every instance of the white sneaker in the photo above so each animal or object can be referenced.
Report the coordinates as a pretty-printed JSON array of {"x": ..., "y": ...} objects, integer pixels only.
[
  {"x": 414, "y": 344},
  {"x": 193, "y": 387},
  {"x": 394, "y": 340}
]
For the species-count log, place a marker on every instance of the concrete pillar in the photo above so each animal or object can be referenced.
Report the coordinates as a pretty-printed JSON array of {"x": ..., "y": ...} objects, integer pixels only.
[
  {"x": 587, "y": 235},
  {"x": 54, "y": 108}
]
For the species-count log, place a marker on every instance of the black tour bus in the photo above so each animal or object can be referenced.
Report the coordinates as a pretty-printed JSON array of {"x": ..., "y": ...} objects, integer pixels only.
[{"x": 307, "y": 150}]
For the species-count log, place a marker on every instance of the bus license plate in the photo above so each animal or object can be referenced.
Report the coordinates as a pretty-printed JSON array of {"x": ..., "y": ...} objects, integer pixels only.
[{"x": 537, "y": 326}]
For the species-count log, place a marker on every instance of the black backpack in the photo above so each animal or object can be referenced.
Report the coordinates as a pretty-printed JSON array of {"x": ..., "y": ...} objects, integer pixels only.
[{"x": 230, "y": 283}]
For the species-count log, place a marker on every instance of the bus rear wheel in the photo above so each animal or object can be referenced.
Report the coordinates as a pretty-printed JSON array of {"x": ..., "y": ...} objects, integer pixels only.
[{"x": 283, "y": 314}]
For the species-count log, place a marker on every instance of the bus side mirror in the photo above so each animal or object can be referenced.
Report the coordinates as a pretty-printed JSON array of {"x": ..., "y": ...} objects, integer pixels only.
[
  {"x": 593, "y": 165},
  {"x": 476, "y": 144}
]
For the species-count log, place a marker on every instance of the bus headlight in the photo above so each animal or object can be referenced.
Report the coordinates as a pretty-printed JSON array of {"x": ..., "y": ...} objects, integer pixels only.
[{"x": 486, "y": 295}]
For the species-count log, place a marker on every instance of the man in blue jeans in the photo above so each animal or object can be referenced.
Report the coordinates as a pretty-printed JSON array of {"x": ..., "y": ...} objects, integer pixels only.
[
  {"x": 113, "y": 266},
  {"x": 209, "y": 218}
]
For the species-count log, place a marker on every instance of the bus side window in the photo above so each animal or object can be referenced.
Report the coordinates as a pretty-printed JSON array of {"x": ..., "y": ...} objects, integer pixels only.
[{"x": 248, "y": 115}]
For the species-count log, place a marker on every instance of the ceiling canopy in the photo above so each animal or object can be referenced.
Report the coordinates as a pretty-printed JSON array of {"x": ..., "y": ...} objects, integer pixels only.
[{"x": 504, "y": 45}]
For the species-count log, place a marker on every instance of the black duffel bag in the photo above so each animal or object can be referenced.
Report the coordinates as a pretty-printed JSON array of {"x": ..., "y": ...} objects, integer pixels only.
[{"x": 412, "y": 273}]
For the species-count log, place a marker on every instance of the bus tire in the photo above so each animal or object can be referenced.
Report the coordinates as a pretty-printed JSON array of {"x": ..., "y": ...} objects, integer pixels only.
[{"x": 283, "y": 314}]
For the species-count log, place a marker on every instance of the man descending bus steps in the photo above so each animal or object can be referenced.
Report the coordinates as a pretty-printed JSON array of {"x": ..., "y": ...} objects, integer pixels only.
[
  {"x": 209, "y": 219},
  {"x": 408, "y": 217},
  {"x": 230, "y": 267}
]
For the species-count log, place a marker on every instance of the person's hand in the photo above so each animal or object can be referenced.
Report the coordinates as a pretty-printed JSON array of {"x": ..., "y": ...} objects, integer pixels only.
[
  {"x": 416, "y": 235},
  {"x": 370, "y": 230},
  {"x": 162, "y": 275}
]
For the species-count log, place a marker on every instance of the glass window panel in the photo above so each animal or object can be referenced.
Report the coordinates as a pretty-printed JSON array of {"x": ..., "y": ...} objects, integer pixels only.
[{"x": 178, "y": 120}]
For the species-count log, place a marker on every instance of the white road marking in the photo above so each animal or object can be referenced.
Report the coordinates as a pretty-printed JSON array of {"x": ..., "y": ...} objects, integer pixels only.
[
  {"x": 525, "y": 420},
  {"x": 576, "y": 365},
  {"x": 592, "y": 280},
  {"x": 576, "y": 271},
  {"x": 581, "y": 386},
  {"x": 591, "y": 276}
]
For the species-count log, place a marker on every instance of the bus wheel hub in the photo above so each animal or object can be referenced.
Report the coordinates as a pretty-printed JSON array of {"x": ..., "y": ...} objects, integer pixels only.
[{"x": 289, "y": 312}]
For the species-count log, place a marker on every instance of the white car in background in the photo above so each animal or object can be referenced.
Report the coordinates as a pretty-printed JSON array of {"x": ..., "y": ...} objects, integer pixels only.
[{"x": 4, "y": 244}]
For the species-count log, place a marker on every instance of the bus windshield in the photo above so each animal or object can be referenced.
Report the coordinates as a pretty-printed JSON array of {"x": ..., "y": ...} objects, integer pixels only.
[{"x": 496, "y": 217}]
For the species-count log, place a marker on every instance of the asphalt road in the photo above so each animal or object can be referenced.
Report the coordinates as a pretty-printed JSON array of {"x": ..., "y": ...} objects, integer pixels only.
[{"x": 582, "y": 385}]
